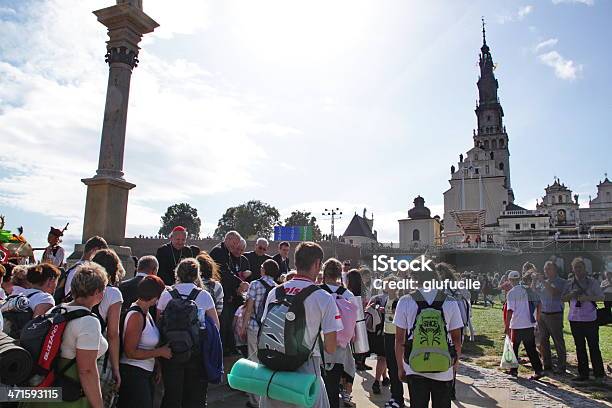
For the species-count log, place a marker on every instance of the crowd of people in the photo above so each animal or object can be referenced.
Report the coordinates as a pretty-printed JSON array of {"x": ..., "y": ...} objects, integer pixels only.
[{"x": 128, "y": 346}]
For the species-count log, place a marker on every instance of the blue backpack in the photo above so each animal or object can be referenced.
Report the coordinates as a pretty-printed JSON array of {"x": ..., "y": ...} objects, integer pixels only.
[{"x": 212, "y": 351}]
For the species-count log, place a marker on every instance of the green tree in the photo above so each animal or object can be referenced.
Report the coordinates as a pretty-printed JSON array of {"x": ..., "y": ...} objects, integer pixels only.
[
  {"x": 251, "y": 219},
  {"x": 303, "y": 218},
  {"x": 181, "y": 214}
]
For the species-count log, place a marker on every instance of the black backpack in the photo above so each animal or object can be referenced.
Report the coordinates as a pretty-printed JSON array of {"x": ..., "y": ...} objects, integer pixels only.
[
  {"x": 280, "y": 343},
  {"x": 210, "y": 288},
  {"x": 180, "y": 326},
  {"x": 128, "y": 290},
  {"x": 42, "y": 338},
  {"x": 59, "y": 295},
  {"x": 260, "y": 309},
  {"x": 15, "y": 320}
]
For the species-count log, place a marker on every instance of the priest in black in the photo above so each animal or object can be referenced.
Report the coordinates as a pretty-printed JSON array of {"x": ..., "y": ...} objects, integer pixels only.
[
  {"x": 256, "y": 258},
  {"x": 228, "y": 255},
  {"x": 170, "y": 254}
]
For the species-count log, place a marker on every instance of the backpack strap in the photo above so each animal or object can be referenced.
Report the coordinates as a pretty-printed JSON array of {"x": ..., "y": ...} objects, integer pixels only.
[
  {"x": 304, "y": 293},
  {"x": 194, "y": 294},
  {"x": 326, "y": 288},
  {"x": 437, "y": 304},
  {"x": 32, "y": 294},
  {"x": 280, "y": 293},
  {"x": 341, "y": 290},
  {"x": 174, "y": 293},
  {"x": 265, "y": 284}
]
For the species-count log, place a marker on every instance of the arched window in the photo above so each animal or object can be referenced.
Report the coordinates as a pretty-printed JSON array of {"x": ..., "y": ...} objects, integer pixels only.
[
  {"x": 486, "y": 144},
  {"x": 493, "y": 144},
  {"x": 501, "y": 143},
  {"x": 416, "y": 235},
  {"x": 501, "y": 166},
  {"x": 492, "y": 156},
  {"x": 560, "y": 198}
]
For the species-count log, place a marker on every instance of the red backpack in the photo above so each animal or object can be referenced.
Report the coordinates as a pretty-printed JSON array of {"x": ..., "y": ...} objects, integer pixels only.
[{"x": 42, "y": 338}]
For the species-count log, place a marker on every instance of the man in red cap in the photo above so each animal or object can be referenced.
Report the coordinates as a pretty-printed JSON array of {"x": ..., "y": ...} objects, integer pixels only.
[
  {"x": 54, "y": 253},
  {"x": 170, "y": 254}
]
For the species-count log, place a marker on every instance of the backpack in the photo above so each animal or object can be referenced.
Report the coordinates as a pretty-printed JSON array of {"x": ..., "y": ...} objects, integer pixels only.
[
  {"x": 16, "y": 312},
  {"x": 348, "y": 314},
  {"x": 42, "y": 338},
  {"x": 122, "y": 317},
  {"x": 59, "y": 295},
  {"x": 128, "y": 290},
  {"x": 374, "y": 318},
  {"x": 429, "y": 351},
  {"x": 180, "y": 326},
  {"x": 212, "y": 351},
  {"x": 280, "y": 343},
  {"x": 464, "y": 306},
  {"x": 210, "y": 288},
  {"x": 260, "y": 309}
]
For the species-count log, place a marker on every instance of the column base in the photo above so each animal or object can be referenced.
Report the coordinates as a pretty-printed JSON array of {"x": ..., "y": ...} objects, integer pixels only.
[{"x": 106, "y": 209}]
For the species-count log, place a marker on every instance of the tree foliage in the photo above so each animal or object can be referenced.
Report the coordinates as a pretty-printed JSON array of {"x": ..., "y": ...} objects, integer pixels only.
[
  {"x": 181, "y": 214},
  {"x": 251, "y": 219},
  {"x": 304, "y": 218}
]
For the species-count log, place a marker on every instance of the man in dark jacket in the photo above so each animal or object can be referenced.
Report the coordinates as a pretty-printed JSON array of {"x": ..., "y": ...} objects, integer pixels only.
[
  {"x": 228, "y": 255},
  {"x": 170, "y": 254},
  {"x": 147, "y": 265},
  {"x": 282, "y": 258},
  {"x": 256, "y": 258}
]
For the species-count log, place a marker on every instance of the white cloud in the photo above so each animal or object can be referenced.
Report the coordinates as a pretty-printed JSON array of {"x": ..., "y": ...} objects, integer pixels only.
[
  {"x": 551, "y": 42},
  {"x": 518, "y": 15},
  {"x": 586, "y": 2},
  {"x": 564, "y": 68},
  {"x": 184, "y": 129},
  {"x": 7, "y": 11}
]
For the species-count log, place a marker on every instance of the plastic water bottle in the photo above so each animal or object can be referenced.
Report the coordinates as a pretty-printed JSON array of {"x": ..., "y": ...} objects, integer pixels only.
[{"x": 202, "y": 318}]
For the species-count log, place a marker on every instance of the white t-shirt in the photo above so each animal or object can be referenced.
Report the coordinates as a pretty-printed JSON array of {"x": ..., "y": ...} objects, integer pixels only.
[
  {"x": 38, "y": 298},
  {"x": 2, "y": 294},
  {"x": 17, "y": 290},
  {"x": 348, "y": 295},
  {"x": 320, "y": 307},
  {"x": 84, "y": 334},
  {"x": 111, "y": 296},
  {"x": 405, "y": 315},
  {"x": 149, "y": 339},
  {"x": 518, "y": 301},
  {"x": 57, "y": 259},
  {"x": 204, "y": 301}
]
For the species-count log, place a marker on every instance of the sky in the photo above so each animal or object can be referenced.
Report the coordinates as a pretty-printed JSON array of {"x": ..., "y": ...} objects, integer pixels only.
[{"x": 304, "y": 105}]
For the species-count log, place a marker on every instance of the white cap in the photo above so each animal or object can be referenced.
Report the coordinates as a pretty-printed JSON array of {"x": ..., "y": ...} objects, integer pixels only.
[{"x": 514, "y": 275}]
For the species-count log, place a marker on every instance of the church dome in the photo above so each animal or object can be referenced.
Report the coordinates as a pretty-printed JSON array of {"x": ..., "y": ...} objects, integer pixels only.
[{"x": 419, "y": 212}]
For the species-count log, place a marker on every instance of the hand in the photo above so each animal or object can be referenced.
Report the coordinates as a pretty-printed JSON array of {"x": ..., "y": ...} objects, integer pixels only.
[
  {"x": 117, "y": 378},
  {"x": 244, "y": 286},
  {"x": 165, "y": 352},
  {"x": 157, "y": 376}
]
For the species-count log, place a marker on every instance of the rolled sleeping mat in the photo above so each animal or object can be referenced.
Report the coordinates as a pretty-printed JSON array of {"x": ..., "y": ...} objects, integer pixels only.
[
  {"x": 15, "y": 361},
  {"x": 360, "y": 343},
  {"x": 286, "y": 386}
]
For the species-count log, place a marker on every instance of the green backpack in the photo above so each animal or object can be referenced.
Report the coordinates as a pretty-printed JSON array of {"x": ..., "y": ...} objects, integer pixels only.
[{"x": 429, "y": 350}]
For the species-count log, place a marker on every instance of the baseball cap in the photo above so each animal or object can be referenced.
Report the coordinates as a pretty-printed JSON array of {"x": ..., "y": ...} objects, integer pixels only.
[{"x": 514, "y": 275}]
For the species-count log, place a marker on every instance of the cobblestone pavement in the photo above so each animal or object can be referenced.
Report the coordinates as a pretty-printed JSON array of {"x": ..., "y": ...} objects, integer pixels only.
[{"x": 476, "y": 387}]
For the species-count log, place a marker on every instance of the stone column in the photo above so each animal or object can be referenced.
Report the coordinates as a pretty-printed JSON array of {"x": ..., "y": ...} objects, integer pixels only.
[{"x": 107, "y": 191}]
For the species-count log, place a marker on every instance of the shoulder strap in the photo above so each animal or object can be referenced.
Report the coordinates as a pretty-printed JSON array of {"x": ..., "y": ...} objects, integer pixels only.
[
  {"x": 326, "y": 288},
  {"x": 280, "y": 293},
  {"x": 304, "y": 293},
  {"x": 194, "y": 294},
  {"x": 341, "y": 290},
  {"x": 32, "y": 294},
  {"x": 265, "y": 284},
  {"x": 136, "y": 308},
  {"x": 175, "y": 293}
]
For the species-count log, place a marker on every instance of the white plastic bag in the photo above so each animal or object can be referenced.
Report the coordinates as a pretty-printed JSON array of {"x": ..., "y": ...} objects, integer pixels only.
[{"x": 508, "y": 359}]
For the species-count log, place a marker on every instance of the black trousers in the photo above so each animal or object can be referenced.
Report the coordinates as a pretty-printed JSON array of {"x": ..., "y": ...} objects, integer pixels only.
[
  {"x": 227, "y": 326},
  {"x": 587, "y": 333},
  {"x": 423, "y": 389},
  {"x": 397, "y": 388},
  {"x": 185, "y": 386},
  {"x": 136, "y": 387},
  {"x": 331, "y": 378},
  {"x": 527, "y": 337}
]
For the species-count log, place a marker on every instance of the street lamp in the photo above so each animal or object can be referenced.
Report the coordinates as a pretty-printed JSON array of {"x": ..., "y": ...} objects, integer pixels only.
[{"x": 334, "y": 213}]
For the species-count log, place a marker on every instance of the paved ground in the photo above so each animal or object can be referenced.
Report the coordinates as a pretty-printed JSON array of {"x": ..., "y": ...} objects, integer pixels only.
[{"x": 476, "y": 387}]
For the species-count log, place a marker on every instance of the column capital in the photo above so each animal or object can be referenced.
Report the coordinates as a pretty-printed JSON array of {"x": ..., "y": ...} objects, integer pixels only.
[{"x": 123, "y": 55}]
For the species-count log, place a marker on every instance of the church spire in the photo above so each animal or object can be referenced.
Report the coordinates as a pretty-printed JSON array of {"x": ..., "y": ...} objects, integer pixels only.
[{"x": 484, "y": 34}]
